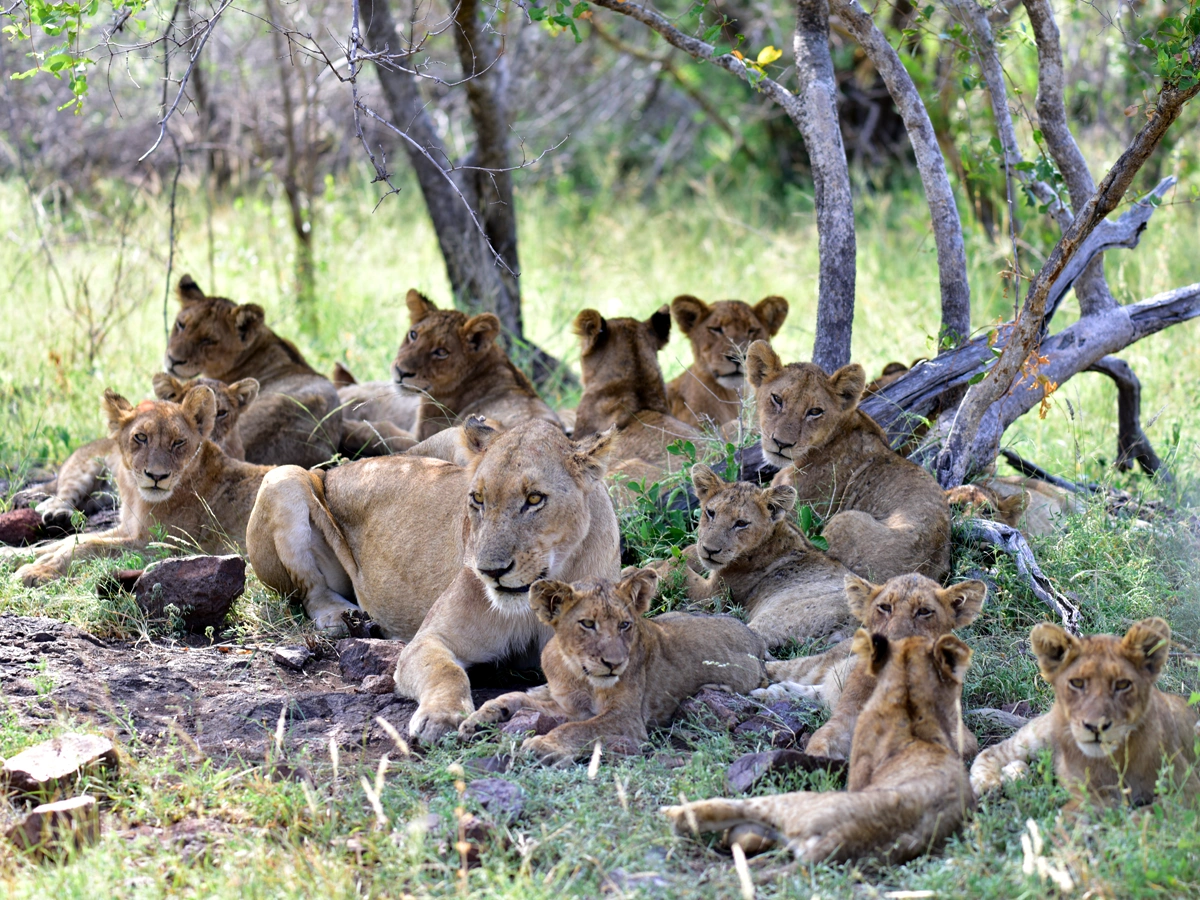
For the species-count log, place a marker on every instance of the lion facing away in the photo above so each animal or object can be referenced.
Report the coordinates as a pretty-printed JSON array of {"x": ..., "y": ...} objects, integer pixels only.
[
  {"x": 455, "y": 365},
  {"x": 297, "y": 419},
  {"x": 440, "y": 555},
  {"x": 711, "y": 388},
  {"x": 169, "y": 475},
  {"x": 1110, "y": 728},
  {"x": 788, "y": 588},
  {"x": 908, "y": 788},
  {"x": 614, "y": 673},
  {"x": 905, "y": 606},
  {"x": 84, "y": 471},
  {"x": 886, "y": 516}
]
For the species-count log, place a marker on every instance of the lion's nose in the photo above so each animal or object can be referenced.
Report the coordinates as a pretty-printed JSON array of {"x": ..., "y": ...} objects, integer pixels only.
[
  {"x": 736, "y": 360},
  {"x": 1097, "y": 728},
  {"x": 497, "y": 574},
  {"x": 157, "y": 477},
  {"x": 708, "y": 551},
  {"x": 398, "y": 375},
  {"x": 612, "y": 667},
  {"x": 172, "y": 362}
]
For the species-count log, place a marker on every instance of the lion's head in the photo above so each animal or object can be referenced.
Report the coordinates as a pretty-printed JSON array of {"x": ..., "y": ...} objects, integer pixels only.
[
  {"x": 1102, "y": 682},
  {"x": 528, "y": 503},
  {"x": 799, "y": 406},
  {"x": 625, "y": 351},
  {"x": 232, "y": 401},
  {"x": 735, "y": 518},
  {"x": 158, "y": 439},
  {"x": 914, "y": 605},
  {"x": 440, "y": 346},
  {"x": 210, "y": 333},
  {"x": 596, "y": 623},
  {"x": 720, "y": 333}
]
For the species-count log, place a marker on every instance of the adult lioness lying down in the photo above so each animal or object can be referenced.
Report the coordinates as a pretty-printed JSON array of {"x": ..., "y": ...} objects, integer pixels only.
[{"x": 440, "y": 555}]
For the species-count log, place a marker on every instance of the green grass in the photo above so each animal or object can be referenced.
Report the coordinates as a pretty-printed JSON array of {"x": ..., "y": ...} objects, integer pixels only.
[{"x": 270, "y": 838}]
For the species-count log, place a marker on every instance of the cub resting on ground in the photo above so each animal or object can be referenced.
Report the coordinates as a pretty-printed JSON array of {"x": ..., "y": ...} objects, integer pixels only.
[
  {"x": 378, "y": 418},
  {"x": 886, "y": 516},
  {"x": 908, "y": 788},
  {"x": 297, "y": 419},
  {"x": 454, "y": 363},
  {"x": 711, "y": 387},
  {"x": 789, "y": 589},
  {"x": 1110, "y": 728},
  {"x": 169, "y": 474},
  {"x": 85, "y": 469},
  {"x": 440, "y": 555},
  {"x": 906, "y": 606},
  {"x": 614, "y": 673}
]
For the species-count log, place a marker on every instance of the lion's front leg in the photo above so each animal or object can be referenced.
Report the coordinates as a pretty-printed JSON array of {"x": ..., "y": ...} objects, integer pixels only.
[
  {"x": 55, "y": 560},
  {"x": 504, "y": 707},
  {"x": 1009, "y": 760},
  {"x": 430, "y": 674},
  {"x": 621, "y": 729}
]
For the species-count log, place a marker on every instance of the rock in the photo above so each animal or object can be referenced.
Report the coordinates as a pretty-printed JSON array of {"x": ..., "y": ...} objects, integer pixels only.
[
  {"x": 503, "y": 799},
  {"x": 40, "y": 768},
  {"x": 747, "y": 770},
  {"x": 293, "y": 657},
  {"x": 728, "y": 709},
  {"x": 527, "y": 720},
  {"x": 53, "y": 827},
  {"x": 379, "y": 684},
  {"x": 360, "y": 657},
  {"x": 113, "y": 584},
  {"x": 784, "y": 724},
  {"x": 489, "y": 764},
  {"x": 202, "y": 588},
  {"x": 20, "y": 527}
]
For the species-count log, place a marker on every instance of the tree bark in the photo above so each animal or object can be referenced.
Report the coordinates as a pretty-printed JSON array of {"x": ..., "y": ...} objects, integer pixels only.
[{"x": 1132, "y": 443}]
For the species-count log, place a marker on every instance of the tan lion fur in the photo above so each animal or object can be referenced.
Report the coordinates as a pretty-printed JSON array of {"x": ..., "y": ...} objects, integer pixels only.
[
  {"x": 710, "y": 390},
  {"x": 1111, "y": 729},
  {"x": 885, "y": 515},
  {"x": 377, "y": 417},
  {"x": 169, "y": 475},
  {"x": 908, "y": 788},
  {"x": 297, "y": 419},
  {"x": 454, "y": 364},
  {"x": 614, "y": 673},
  {"x": 440, "y": 555}
]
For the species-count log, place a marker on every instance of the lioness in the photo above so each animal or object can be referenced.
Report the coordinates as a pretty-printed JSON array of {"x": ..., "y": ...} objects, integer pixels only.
[
  {"x": 440, "y": 555},
  {"x": 710, "y": 389},
  {"x": 905, "y": 606},
  {"x": 886, "y": 515},
  {"x": 169, "y": 474},
  {"x": 789, "y": 589},
  {"x": 614, "y": 673},
  {"x": 84, "y": 470},
  {"x": 297, "y": 419},
  {"x": 908, "y": 788},
  {"x": 378, "y": 418},
  {"x": 1110, "y": 728},
  {"x": 454, "y": 364}
]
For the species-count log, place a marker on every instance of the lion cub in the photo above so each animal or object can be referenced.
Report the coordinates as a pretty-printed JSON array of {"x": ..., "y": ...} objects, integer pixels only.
[
  {"x": 907, "y": 606},
  {"x": 886, "y": 515},
  {"x": 710, "y": 389},
  {"x": 789, "y": 589},
  {"x": 378, "y": 419},
  {"x": 614, "y": 673},
  {"x": 1110, "y": 728},
  {"x": 908, "y": 788}
]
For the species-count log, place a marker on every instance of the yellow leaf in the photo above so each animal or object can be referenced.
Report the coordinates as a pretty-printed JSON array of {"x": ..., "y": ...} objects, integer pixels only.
[
  {"x": 768, "y": 55},
  {"x": 737, "y": 54}
]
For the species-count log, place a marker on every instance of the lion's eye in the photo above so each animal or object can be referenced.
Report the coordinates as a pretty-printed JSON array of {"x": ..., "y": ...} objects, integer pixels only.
[
  {"x": 1122, "y": 684},
  {"x": 815, "y": 413},
  {"x": 777, "y": 401},
  {"x": 885, "y": 608},
  {"x": 441, "y": 353},
  {"x": 412, "y": 335},
  {"x": 716, "y": 329},
  {"x": 709, "y": 514},
  {"x": 179, "y": 326},
  {"x": 741, "y": 523},
  {"x": 589, "y": 624},
  {"x": 175, "y": 445},
  {"x": 924, "y": 612},
  {"x": 477, "y": 498},
  {"x": 222, "y": 413},
  {"x": 534, "y": 499},
  {"x": 625, "y": 626},
  {"x": 206, "y": 342},
  {"x": 1078, "y": 683},
  {"x": 140, "y": 438},
  {"x": 754, "y": 334}
]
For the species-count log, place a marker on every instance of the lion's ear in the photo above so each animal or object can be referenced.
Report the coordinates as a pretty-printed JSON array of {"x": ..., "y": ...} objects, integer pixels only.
[
  {"x": 247, "y": 318},
  {"x": 1146, "y": 644},
  {"x": 660, "y": 324},
  {"x": 550, "y": 599},
  {"x": 200, "y": 405},
  {"x": 952, "y": 657},
  {"x": 847, "y": 384},
  {"x": 589, "y": 460},
  {"x": 688, "y": 310},
  {"x": 872, "y": 649},
  {"x": 762, "y": 363},
  {"x": 480, "y": 332},
  {"x": 245, "y": 391},
  {"x": 705, "y": 481},
  {"x": 117, "y": 410},
  {"x": 772, "y": 312},
  {"x": 859, "y": 594},
  {"x": 419, "y": 306},
  {"x": 477, "y": 434},
  {"x": 592, "y": 330},
  {"x": 167, "y": 386},
  {"x": 342, "y": 377},
  {"x": 780, "y": 500},
  {"x": 1054, "y": 648},
  {"x": 188, "y": 291},
  {"x": 966, "y": 599},
  {"x": 640, "y": 586}
]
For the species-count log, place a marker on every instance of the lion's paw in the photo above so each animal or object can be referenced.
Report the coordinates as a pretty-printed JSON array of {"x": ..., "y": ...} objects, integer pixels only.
[
  {"x": 485, "y": 715},
  {"x": 548, "y": 751},
  {"x": 55, "y": 511},
  {"x": 331, "y": 624},
  {"x": 37, "y": 574},
  {"x": 430, "y": 726},
  {"x": 1015, "y": 770}
]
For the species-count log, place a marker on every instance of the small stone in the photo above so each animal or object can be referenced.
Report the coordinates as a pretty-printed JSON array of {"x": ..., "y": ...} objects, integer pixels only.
[
  {"x": 40, "y": 768},
  {"x": 293, "y": 657},
  {"x": 20, "y": 527},
  {"x": 54, "y": 827},
  {"x": 748, "y": 769},
  {"x": 202, "y": 588},
  {"x": 671, "y": 760},
  {"x": 532, "y": 720},
  {"x": 727, "y": 708},
  {"x": 360, "y": 657},
  {"x": 503, "y": 799},
  {"x": 488, "y": 765},
  {"x": 379, "y": 684}
]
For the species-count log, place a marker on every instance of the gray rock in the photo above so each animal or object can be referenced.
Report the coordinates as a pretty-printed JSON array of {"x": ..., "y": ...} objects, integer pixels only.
[
  {"x": 202, "y": 588},
  {"x": 525, "y": 721},
  {"x": 502, "y": 799},
  {"x": 39, "y": 769},
  {"x": 747, "y": 770},
  {"x": 20, "y": 527},
  {"x": 53, "y": 827},
  {"x": 293, "y": 657},
  {"x": 360, "y": 657}
]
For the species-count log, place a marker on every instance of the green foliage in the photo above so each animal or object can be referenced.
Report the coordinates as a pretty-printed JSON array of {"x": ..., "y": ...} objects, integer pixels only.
[
  {"x": 1171, "y": 44},
  {"x": 561, "y": 13}
]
